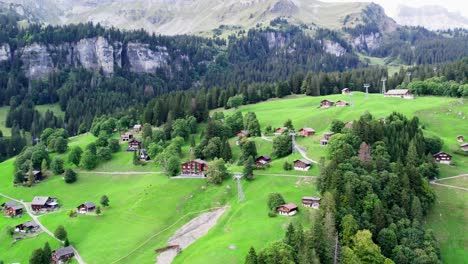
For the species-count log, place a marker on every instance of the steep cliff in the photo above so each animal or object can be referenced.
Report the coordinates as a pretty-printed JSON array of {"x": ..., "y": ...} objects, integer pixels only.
[{"x": 95, "y": 54}]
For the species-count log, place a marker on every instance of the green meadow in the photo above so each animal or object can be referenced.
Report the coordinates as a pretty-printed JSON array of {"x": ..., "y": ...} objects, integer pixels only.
[{"x": 147, "y": 208}]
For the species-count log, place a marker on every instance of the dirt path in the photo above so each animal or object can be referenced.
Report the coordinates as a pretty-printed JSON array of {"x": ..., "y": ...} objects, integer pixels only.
[
  {"x": 189, "y": 233},
  {"x": 296, "y": 146},
  {"x": 35, "y": 218},
  {"x": 120, "y": 172},
  {"x": 436, "y": 182}
]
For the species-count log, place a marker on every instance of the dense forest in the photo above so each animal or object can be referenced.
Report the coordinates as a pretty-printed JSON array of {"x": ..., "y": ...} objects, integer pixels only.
[{"x": 372, "y": 205}]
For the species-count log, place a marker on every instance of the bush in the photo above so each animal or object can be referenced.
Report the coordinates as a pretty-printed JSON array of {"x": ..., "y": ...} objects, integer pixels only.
[
  {"x": 60, "y": 233},
  {"x": 104, "y": 153},
  {"x": 272, "y": 213},
  {"x": 57, "y": 165},
  {"x": 275, "y": 200},
  {"x": 70, "y": 176},
  {"x": 113, "y": 145},
  {"x": 287, "y": 166}
]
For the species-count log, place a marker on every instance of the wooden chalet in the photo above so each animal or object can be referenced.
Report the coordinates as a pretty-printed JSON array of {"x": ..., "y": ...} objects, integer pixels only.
[
  {"x": 86, "y": 207},
  {"x": 326, "y": 103},
  {"x": 341, "y": 103},
  {"x": 37, "y": 174},
  {"x": 44, "y": 203},
  {"x": 261, "y": 161},
  {"x": 400, "y": 93},
  {"x": 442, "y": 157},
  {"x": 11, "y": 208},
  {"x": 306, "y": 132},
  {"x": 28, "y": 227},
  {"x": 194, "y": 167},
  {"x": 349, "y": 124},
  {"x": 280, "y": 130},
  {"x": 327, "y": 135},
  {"x": 137, "y": 128},
  {"x": 464, "y": 146},
  {"x": 309, "y": 201},
  {"x": 144, "y": 155},
  {"x": 287, "y": 209},
  {"x": 62, "y": 255},
  {"x": 242, "y": 133},
  {"x": 134, "y": 145},
  {"x": 460, "y": 138},
  {"x": 302, "y": 165},
  {"x": 126, "y": 137},
  {"x": 345, "y": 91}
]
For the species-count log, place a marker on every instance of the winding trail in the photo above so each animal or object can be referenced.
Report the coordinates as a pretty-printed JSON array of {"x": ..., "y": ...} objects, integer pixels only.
[
  {"x": 35, "y": 218},
  {"x": 296, "y": 147},
  {"x": 436, "y": 182}
]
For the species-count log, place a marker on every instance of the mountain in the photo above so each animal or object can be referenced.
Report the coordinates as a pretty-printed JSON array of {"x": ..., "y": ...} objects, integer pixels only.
[
  {"x": 171, "y": 17},
  {"x": 431, "y": 17}
]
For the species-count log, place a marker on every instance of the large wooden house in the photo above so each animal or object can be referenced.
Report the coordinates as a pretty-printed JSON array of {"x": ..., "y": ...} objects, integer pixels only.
[
  {"x": 341, "y": 103},
  {"x": 287, "y": 209},
  {"x": 28, "y": 227},
  {"x": 326, "y": 103},
  {"x": 134, "y": 145},
  {"x": 442, "y": 157},
  {"x": 313, "y": 202},
  {"x": 400, "y": 93},
  {"x": 302, "y": 165},
  {"x": 306, "y": 132},
  {"x": 194, "y": 167},
  {"x": 62, "y": 255},
  {"x": 126, "y": 137},
  {"x": 11, "y": 208},
  {"x": 242, "y": 133},
  {"x": 137, "y": 128},
  {"x": 280, "y": 130},
  {"x": 86, "y": 207},
  {"x": 261, "y": 161},
  {"x": 464, "y": 146},
  {"x": 44, "y": 203}
]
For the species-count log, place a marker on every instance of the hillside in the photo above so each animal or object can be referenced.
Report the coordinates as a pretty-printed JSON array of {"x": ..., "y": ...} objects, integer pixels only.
[
  {"x": 154, "y": 202},
  {"x": 172, "y": 17}
]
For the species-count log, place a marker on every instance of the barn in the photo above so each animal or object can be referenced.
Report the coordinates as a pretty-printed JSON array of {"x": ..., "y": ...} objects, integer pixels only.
[
  {"x": 306, "y": 132},
  {"x": 309, "y": 201},
  {"x": 302, "y": 165},
  {"x": 326, "y": 103},
  {"x": 11, "y": 208},
  {"x": 442, "y": 157},
  {"x": 399, "y": 93},
  {"x": 288, "y": 209},
  {"x": 262, "y": 161},
  {"x": 86, "y": 207}
]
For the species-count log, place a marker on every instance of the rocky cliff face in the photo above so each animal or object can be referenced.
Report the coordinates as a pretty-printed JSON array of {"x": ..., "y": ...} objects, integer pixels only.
[
  {"x": 94, "y": 54},
  {"x": 37, "y": 62},
  {"x": 333, "y": 48},
  {"x": 367, "y": 42},
  {"x": 4, "y": 52},
  {"x": 143, "y": 59}
]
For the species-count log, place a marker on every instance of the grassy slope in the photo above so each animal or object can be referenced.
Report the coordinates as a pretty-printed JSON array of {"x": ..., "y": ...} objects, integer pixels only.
[
  {"x": 444, "y": 117},
  {"x": 448, "y": 219}
]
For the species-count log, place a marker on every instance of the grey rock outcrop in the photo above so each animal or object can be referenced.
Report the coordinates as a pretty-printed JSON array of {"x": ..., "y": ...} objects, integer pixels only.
[
  {"x": 96, "y": 54},
  {"x": 367, "y": 42},
  {"x": 334, "y": 48},
  {"x": 144, "y": 60},
  {"x": 4, "y": 52},
  {"x": 37, "y": 62}
]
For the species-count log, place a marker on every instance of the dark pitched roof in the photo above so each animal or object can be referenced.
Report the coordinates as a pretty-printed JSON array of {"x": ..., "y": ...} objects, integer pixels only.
[
  {"x": 64, "y": 251},
  {"x": 90, "y": 204},
  {"x": 12, "y": 204},
  {"x": 440, "y": 153},
  {"x": 289, "y": 206},
  {"x": 30, "y": 224},
  {"x": 40, "y": 200},
  {"x": 201, "y": 161},
  {"x": 303, "y": 161}
]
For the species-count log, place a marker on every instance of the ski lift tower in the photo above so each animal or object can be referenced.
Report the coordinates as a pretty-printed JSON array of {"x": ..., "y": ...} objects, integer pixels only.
[
  {"x": 367, "y": 85},
  {"x": 409, "y": 76},
  {"x": 384, "y": 79},
  {"x": 292, "y": 133},
  {"x": 240, "y": 192}
]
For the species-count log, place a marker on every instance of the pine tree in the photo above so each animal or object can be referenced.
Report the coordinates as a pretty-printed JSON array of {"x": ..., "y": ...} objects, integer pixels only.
[
  {"x": 226, "y": 152},
  {"x": 104, "y": 201},
  {"x": 251, "y": 258},
  {"x": 98, "y": 210},
  {"x": 249, "y": 166},
  {"x": 60, "y": 233}
]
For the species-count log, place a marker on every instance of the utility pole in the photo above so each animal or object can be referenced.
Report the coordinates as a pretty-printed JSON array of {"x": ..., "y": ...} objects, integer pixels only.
[
  {"x": 293, "y": 136},
  {"x": 384, "y": 79},
  {"x": 366, "y": 85},
  {"x": 240, "y": 192}
]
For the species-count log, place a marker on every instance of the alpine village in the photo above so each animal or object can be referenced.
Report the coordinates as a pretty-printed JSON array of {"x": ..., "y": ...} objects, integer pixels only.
[{"x": 250, "y": 132}]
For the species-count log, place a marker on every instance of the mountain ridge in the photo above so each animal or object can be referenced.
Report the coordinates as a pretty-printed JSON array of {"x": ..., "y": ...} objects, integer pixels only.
[{"x": 432, "y": 17}]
